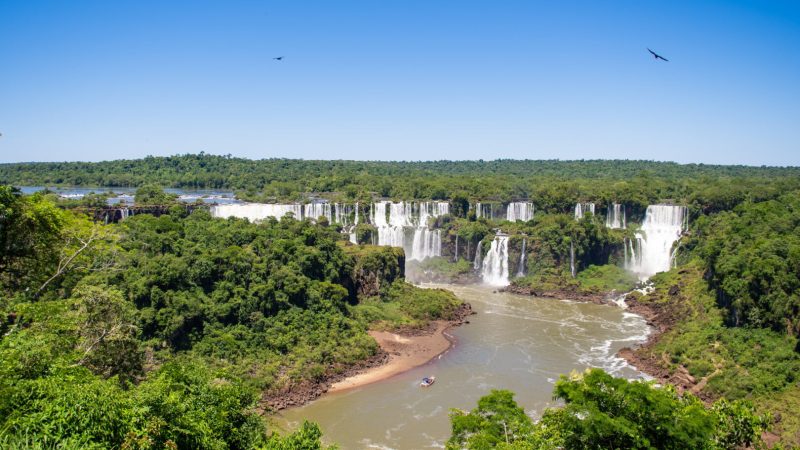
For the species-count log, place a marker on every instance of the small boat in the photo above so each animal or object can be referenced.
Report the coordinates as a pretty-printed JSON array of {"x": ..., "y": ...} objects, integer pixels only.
[{"x": 427, "y": 381}]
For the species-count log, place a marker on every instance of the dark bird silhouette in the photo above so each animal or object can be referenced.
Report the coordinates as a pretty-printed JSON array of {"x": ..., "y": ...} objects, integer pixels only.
[
  {"x": 657, "y": 56},
  {"x": 279, "y": 58}
]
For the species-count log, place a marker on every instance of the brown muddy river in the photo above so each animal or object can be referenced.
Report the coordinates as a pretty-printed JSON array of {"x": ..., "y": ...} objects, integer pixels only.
[{"x": 514, "y": 342}]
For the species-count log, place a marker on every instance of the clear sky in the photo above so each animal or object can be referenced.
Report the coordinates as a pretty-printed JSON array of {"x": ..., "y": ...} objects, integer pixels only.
[{"x": 401, "y": 80}]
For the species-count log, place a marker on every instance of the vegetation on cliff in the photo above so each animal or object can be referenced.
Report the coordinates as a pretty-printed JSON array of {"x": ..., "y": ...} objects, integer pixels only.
[
  {"x": 106, "y": 319},
  {"x": 175, "y": 330}
]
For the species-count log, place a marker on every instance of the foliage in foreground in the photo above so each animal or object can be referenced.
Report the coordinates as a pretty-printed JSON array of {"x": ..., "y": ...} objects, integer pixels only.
[
  {"x": 165, "y": 332},
  {"x": 603, "y": 412}
]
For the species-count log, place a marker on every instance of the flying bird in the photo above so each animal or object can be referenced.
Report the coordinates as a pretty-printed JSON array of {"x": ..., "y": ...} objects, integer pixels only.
[
  {"x": 279, "y": 58},
  {"x": 657, "y": 56}
]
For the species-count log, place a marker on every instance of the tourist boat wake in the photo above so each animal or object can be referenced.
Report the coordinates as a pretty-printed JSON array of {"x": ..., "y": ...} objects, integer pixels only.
[{"x": 427, "y": 381}]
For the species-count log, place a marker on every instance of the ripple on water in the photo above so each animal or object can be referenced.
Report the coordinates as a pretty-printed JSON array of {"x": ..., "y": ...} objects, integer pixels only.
[{"x": 518, "y": 343}]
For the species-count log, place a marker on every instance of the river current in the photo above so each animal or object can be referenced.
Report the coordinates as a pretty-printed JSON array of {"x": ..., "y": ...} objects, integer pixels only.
[{"x": 514, "y": 342}]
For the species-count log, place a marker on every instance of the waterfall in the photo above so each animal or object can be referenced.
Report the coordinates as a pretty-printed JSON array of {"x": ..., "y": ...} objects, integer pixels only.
[
  {"x": 407, "y": 227},
  {"x": 427, "y": 244},
  {"x": 521, "y": 269},
  {"x": 401, "y": 224},
  {"x": 519, "y": 211},
  {"x": 456, "y": 258},
  {"x": 572, "y": 259},
  {"x": 477, "y": 264},
  {"x": 432, "y": 210},
  {"x": 314, "y": 211},
  {"x": 625, "y": 252},
  {"x": 632, "y": 258},
  {"x": 400, "y": 214},
  {"x": 353, "y": 237},
  {"x": 495, "y": 265},
  {"x": 390, "y": 230},
  {"x": 256, "y": 212},
  {"x": 652, "y": 251},
  {"x": 582, "y": 208},
  {"x": 483, "y": 210},
  {"x": 378, "y": 214},
  {"x": 341, "y": 214},
  {"x": 615, "y": 218}
]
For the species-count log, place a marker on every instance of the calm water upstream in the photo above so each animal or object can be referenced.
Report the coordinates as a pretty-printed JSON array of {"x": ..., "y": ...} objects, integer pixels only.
[{"x": 514, "y": 342}]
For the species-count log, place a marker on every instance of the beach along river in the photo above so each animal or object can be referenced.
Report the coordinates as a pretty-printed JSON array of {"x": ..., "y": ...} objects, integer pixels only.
[{"x": 518, "y": 343}]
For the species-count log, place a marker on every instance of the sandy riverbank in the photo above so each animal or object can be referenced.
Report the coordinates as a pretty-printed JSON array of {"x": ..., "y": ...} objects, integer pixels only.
[
  {"x": 405, "y": 353},
  {"x": 398, "y": 353}
]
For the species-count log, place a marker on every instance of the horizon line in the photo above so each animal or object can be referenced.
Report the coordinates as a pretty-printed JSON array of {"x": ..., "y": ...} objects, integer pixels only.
[{"x": 399, "y": 161}]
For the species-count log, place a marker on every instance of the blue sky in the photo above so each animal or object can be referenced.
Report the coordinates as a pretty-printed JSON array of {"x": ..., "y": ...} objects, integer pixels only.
[{"x": 401, "y": 80}]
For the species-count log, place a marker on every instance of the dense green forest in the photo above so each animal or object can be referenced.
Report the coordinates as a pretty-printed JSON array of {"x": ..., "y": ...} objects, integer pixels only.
[
  {"x": 226, "y": 172},
  {"x": 178, "y": 329},
  {"x": 182, "y": 329},
  {"x": 603, "y": 412},
  {"x": 554, "y": 185}
]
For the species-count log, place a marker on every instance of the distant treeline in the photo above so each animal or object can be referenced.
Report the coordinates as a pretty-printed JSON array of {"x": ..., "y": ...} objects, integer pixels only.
[{"x": 555, "y": 185}]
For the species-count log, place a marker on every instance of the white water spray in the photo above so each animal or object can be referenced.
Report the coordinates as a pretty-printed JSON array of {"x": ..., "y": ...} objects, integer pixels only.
[
  {"x": 495, "y": 265},
  {"x": 582, "y": 208},
  {"x": 484, "y": 210},
  {"x": 652, "y": 250},
  {"x": 615, "y": 217},
  {"x": 477, "y": 263},
  {"x": 353, "y": 237},
  {"x": 256, "y": 212},
  {"x": 314, "y": 211},
  {"x": 522, "y": 256},
  {"x": 407, "y": 226},
  {"x": 572, "y": 259},
  {"x": 519, "y": 211}
]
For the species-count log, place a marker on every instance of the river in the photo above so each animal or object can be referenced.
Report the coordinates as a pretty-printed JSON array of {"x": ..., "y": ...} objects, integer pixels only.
[{"x": 514, "y": 342}]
